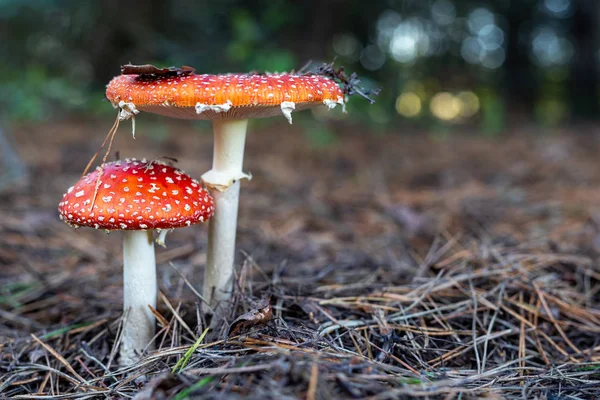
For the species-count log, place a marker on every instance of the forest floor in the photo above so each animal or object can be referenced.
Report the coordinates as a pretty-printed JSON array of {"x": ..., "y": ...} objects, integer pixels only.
[{"x": 396, "y": 266}]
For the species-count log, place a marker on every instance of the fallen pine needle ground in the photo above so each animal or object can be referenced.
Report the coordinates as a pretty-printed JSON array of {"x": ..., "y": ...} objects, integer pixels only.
[{"x": 394, "y": 267}]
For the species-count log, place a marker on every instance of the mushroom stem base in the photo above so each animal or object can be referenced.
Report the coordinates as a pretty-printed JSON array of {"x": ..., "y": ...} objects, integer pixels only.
[
  {"x": 218, "y": 277},
  {"x": 139, "y": 292}
]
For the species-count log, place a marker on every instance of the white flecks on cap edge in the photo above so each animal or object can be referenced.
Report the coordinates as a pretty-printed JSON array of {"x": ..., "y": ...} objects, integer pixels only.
[
  {"x": 218, "y": 108},
  {"x": 128, "y": 110},
  {"x": 286, "y": 108},
  {"x": 331, "y": 103}
]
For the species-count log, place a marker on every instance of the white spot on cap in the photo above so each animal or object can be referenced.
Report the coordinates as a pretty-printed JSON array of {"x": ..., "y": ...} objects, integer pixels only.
[
  {"x": 80, "y": 193},
  {"x": 154, "y": 188}
]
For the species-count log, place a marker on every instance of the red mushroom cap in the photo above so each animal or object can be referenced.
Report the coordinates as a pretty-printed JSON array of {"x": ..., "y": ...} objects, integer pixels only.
[
  {"x": 235, "y": 96},
  {"x": 136, "y": 195}
]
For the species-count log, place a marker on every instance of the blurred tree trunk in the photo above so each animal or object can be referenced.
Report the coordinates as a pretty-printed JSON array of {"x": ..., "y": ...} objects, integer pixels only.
[
  {"x": 520, "y": 88},
  {"x": 585, "y": 70}
]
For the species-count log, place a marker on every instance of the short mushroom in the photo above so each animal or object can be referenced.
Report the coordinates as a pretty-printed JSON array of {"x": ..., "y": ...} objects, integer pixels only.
[
  {"x": 228, "y": 101},
  {"x": 136, "y": 197}
]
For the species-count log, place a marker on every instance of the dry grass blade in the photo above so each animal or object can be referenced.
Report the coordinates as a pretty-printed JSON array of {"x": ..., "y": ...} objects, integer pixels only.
[
  {"x": 313, "y": 382},
  {"x": 61, "y": 359},
  {"x": 176, "y": 314},
  {"x": 556, "y": 325}
]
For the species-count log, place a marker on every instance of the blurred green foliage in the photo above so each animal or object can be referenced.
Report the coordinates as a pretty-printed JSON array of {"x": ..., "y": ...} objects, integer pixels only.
[{"x": 59, "y": 54}]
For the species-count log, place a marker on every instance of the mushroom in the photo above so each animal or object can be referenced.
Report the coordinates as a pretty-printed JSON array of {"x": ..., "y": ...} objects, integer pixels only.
[
  {"x": 136, "y": 197},
  {"x": 228, "y": 101}
]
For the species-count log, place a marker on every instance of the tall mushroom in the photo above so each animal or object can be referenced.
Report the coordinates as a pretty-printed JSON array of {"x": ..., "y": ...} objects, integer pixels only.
[
  {"x": 136, "y": 197},
  {"x": 228, "y": 101}
]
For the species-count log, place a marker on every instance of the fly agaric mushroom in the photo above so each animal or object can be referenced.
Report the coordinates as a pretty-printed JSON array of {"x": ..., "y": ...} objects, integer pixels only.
[
  {"x": 136, "y": 197},
  {"x": 228, "y": 101}
]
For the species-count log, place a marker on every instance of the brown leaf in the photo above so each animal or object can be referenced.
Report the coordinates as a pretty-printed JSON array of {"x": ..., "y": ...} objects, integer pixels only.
[
  {"x": 149, "y": 69},
  {"x": 260, "y": 315}
]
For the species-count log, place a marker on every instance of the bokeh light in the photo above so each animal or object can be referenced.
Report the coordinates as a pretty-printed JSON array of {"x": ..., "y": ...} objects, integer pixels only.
[
  {"x": 408, "y": 104},
  {"x": 486, "y": 40},
  {"x": 346, "y": 45},
  {"x": 550, "y": 48},
  {"x": 445, "y": 106},
  {"x": 409, "y": 41},
  {"x": 469, "y": 104},
  {"x": 558, "y": 8},
  {"x": 386, "y": 25},
  {"x": 454, "y": 108},
  {"x": 443, "y": 12}
]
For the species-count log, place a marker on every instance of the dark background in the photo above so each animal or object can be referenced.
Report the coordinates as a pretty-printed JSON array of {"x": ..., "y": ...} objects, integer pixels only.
[{"x": 497, "y": 63}]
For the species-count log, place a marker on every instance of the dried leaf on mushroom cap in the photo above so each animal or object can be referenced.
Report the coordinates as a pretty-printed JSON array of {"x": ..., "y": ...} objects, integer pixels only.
[
  {"x": 350, "y": 84},
  {"x": 149, "y": 69}
]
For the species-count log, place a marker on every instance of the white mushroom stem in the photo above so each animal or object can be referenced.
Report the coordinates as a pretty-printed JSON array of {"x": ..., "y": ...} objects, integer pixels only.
[
  {"x": 228, "y": 154},
  {"x": 228, "y": 157},
  {"x": 139, "y": 291}
]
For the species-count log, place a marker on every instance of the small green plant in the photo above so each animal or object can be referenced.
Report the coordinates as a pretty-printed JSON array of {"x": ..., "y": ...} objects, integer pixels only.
[
  {"x": 185, "y": 393},
  {"x": 180, "y": 365}
]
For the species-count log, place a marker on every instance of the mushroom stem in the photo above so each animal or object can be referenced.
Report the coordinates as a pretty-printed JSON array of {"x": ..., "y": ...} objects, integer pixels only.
[
  {"x": 139, "y": 291},
  {"x": 228, "y": 157}
]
